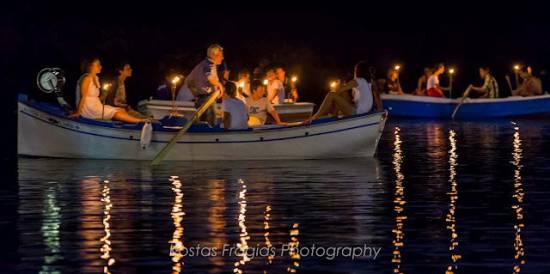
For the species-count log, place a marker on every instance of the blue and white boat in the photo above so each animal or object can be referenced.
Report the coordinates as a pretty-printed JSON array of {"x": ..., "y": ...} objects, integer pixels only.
[
  {"x": 471, "y": 109},
  {"x": 45, "y": 130}
]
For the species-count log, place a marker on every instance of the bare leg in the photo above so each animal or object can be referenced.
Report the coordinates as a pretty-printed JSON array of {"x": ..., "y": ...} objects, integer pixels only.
[
  {"x": 326, "y": 107},
  {"x": 333, "y": 103},
  {"x": 123, "y": 116}
]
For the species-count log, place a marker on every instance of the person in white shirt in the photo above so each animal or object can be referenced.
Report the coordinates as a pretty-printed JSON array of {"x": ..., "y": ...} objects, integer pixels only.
[
  {"x": 235, "y": 114},
  {"x": 275, "y": 88},
  {"x": 433, "y": 88},
  {"x": 258, "y": 106},
  {"x": 361, "y": 99}
]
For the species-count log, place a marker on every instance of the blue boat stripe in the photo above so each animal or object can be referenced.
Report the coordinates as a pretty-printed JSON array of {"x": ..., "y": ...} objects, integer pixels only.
[{"x": 206, "y": 142}]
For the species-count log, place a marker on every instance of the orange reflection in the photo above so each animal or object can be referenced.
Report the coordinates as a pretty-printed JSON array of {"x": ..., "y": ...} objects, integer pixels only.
[
  {"x": 453, "y": 197},
  {"x": 399, "y": 202},
  {"x": 293, "y": 246},
  {"x": 518, "y": 196},
  {"x": 176, "y": 243},
  {"x": 106, "y": 240},
  {"x": 216, "y": 221}
]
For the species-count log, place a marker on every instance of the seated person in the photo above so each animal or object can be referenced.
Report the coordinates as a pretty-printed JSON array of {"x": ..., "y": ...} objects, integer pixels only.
[
  {"x": 88, "y": 103},
  {"x": 235, "y": 114},
  {"x": 243, "y": 89},
  {"x": 288, "y": 85},
  {"x": 339, "y": 99},
  {"x": 393, "y": 86},
  {"x": 490, "y": 85},
  {"x": 275, "y": 88},
  {"x": 422, "y": 81},
  {"x": 116, "y": 95},
  {"x": 433, "y": 88},
  {"x": 258, "y": 106},
  {"x": 530, "y": 86}
]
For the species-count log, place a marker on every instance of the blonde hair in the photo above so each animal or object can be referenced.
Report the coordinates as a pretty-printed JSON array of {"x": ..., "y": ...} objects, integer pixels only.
[{"x": 213, "y": 50}]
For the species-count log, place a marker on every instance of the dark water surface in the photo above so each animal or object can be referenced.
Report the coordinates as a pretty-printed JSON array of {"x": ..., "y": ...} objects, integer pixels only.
[{"x": 442, "y": 197}]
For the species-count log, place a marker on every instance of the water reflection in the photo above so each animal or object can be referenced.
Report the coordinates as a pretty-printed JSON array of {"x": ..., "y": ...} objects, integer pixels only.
[
  {"x": 519, "y": 255},
  {"x": 216, "y": 213},
  {"x": 242, "y": 246},
  {"x": 398, "y": 202},
  {"x": 106, "y": 239},
  {"x": 453, "y": 197},
  {"x": 176, "y": 243},
  {"x": 268, "y": 244},
  {"x": 293, "y": 246},
  {"x": 50, "y": 230}
]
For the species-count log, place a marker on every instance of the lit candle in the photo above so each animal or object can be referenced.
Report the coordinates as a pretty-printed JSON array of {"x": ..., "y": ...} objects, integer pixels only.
[
  {"x": 397, "y": 67},
  {"x": 175, "y": 80},
  {"x": 265, "y": 82},
  {"x": 451, "y": 72},
  {"x": 516, "y": 72},
  {"x": 333, "y": 84},
  {"x": 241, "y": 84},
  {"x": 294, "y": 79},
  {"x": 106, "y": 86}
]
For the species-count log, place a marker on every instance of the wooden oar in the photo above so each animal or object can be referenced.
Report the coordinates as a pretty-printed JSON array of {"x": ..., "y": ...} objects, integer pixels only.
[
  {"x": 509, "y": 84},
  {"x": 464, "y": 96},
  {"x": 211, "y": 99}
]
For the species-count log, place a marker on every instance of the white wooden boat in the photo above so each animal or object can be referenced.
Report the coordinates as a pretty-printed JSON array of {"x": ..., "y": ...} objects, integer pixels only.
[
  {"x": 44, "y": 130},
  {"x": 288, "y": 112}
]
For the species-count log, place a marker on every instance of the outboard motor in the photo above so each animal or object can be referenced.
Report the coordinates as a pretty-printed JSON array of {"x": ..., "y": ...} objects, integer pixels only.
[{"x": 52, "y": 80}]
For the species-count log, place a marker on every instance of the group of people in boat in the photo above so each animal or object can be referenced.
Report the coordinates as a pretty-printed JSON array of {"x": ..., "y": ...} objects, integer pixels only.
[
  {"x": 246, "y": 102},
  {"x": 527, "y": 84}
]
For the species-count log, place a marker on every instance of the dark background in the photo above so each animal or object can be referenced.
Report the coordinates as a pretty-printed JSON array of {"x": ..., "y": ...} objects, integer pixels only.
[{"x": 316, "y": 41}]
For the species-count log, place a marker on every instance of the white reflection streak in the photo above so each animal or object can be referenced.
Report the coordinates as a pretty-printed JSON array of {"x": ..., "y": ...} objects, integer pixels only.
[
  {"x": 50, "y": 230},
  {"x": 453, "y": 197},
  {"x": 399, "y": 202},
  {"x": 106, "y": 247},
  {"x": 243, "y": 245},
  {"x": 176, "y": 243},
  {"x": 293, "y": 249},
  {"x": 267, "y": 218},
  {"x": 518, "y": 196}
]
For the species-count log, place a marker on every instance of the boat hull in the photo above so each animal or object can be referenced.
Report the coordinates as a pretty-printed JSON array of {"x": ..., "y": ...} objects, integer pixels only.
[
  {"x": 43, "y": 133},
  {"x": 472, "y": 109}
]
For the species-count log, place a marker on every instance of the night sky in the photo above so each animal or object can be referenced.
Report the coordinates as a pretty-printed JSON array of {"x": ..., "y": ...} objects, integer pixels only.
[{"x": 318, "y": 42}]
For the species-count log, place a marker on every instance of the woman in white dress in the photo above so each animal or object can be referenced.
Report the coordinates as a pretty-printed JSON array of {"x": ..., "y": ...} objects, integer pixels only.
[
  {"x": 87, "y": 97},
  {"x": 361, "y": 99}
]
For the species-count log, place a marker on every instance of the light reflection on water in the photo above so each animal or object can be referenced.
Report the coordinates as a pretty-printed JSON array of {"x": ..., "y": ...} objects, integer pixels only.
[
  {"x": 68, "y": 208},
  {"x": 519, "y": 255}
]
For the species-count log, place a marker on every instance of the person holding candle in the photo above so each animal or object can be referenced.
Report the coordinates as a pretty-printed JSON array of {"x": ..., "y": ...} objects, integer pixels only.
[
  {"x": 275, "y": 88},
  {"x": 243, "y": 84},
  {"x": 338, "y": 100},
  {"x": 530, "y": 86},
  {"x": 433, "y": 88},
  {"x": 259, "y": 106},
  {"x": 422, "y": 81},
  {"x": 88, "y": 102},
  {"x": 393, "y": 86},
  {"x": 490, "y": 85}
]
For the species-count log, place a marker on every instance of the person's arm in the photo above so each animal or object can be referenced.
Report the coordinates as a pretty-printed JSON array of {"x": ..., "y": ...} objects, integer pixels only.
[
  {"x": 419, "y": 85},
  {"x": 377, "y": 99},
  {"x": 212, "y": 76},
  {"x": 83, "y": 92},
  {"x": 347, "y": 86},
  {"x": 226, "y": 120},
  {"x": 276, "y": 117},
  {"x": 399, "y": 89}
]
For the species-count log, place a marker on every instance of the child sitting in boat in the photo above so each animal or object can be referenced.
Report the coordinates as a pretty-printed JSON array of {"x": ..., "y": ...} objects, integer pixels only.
[
  {"x": 490, "y": 85},
  {"x": 87, "y": 97},
  {"x": 392, "y": 85},
  {"x": 235, "y": 114},
  {"x": 530, "y": 86},
  {"x": 433, "y": 88},
  {"x": 258, "y": 106},
  {"x": 361, "y": 99}
]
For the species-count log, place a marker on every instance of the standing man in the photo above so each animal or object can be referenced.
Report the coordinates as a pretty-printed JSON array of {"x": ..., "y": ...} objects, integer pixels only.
[{"x": 204, "y": 80}]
